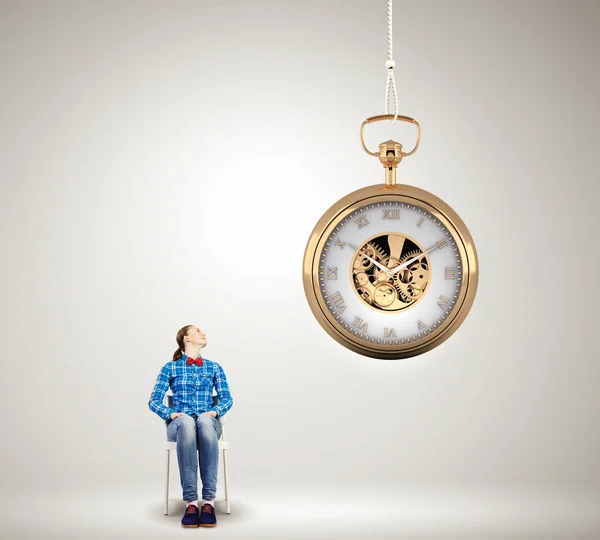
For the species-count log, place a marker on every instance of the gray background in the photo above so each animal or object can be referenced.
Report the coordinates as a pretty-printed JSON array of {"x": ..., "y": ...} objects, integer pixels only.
[{"x": 164, "y": 163}]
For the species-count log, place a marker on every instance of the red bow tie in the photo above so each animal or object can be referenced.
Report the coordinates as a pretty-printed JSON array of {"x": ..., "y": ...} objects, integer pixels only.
[{"x": 198, "y": 361}]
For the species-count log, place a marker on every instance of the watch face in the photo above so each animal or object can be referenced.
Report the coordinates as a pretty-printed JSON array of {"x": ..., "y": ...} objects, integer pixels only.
[{"x": 388, "y": 275}]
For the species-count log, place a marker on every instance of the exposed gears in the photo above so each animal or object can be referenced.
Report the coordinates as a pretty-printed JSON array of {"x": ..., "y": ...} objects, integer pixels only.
[
  {"x": 361, "y": 263},
  {"x": 372, "y": 250},
  {"x": 412, "y": 280},
  {"x": 376, "y": 286}
]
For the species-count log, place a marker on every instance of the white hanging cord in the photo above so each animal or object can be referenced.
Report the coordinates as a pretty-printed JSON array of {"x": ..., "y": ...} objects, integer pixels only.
[{"x": 390, "y": 64}]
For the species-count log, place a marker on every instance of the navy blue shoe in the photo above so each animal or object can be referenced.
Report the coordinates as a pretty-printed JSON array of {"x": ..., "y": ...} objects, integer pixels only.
[
  {"x": 207, "y": 516},
  {"x": 191, "y": 518}
]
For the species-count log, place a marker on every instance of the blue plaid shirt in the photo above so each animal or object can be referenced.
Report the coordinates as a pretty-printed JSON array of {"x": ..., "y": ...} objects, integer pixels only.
[{"x": 192, "y": 388}]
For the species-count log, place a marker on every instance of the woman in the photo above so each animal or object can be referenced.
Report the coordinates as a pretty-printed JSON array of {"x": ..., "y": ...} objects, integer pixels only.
[{"x": 193, "y": 421}]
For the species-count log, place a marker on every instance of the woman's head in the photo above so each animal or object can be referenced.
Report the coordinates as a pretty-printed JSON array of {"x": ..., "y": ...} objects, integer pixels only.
[{"x": 190, "y": 337}]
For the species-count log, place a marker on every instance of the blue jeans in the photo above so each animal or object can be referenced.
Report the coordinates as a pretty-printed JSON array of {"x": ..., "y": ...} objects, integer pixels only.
[{"x": 196, "y": 437}]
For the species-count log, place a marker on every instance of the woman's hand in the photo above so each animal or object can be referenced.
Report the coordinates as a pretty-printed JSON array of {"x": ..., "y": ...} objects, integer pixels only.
[{"x": 209, "y": 413}]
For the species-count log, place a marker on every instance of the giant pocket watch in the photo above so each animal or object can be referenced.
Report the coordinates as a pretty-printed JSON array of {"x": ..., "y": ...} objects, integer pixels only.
[{"x": 390, "y": 271}]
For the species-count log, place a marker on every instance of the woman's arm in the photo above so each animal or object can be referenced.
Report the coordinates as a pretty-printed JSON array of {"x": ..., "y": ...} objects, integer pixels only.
[
  {"x": 156, "y": 402},
  {"x": 222, "y": 388}
]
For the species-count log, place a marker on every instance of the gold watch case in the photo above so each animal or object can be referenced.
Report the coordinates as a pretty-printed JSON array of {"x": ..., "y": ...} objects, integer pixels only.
[{"x": 405, "y": 195}]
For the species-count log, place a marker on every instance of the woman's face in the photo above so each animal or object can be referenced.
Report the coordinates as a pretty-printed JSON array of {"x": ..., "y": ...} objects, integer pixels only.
[{"x": 195, "y": 336}]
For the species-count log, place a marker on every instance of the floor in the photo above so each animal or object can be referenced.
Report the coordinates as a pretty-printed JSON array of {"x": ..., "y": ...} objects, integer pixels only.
[{"x": 334, "y": 515}]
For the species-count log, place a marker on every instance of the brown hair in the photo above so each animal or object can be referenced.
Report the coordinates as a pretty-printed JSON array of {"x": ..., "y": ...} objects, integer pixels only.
[{"x": 182, "y": 332}]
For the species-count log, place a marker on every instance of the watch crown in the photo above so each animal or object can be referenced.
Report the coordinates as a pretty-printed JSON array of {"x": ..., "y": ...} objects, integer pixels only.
[{"x": 390, "y": 154}]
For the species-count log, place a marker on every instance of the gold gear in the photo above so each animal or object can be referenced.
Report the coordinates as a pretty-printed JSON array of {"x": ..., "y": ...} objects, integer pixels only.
[
  {"x": 382, "y": 253},
  {"x": 361, "y": 279},
  {"x": 384, "y": 295}
]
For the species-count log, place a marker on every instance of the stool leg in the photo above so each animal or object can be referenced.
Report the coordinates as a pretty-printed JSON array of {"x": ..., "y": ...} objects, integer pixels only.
[
  {"x": 225, "y": 478},
  {"x": 167, "y": 483}
]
